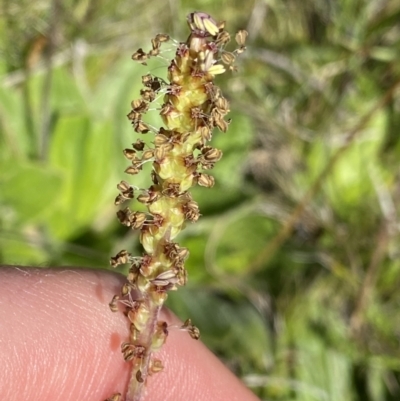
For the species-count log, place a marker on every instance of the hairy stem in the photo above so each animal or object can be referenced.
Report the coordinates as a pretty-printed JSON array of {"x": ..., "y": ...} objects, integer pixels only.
[{"x": 135, "y": 388}]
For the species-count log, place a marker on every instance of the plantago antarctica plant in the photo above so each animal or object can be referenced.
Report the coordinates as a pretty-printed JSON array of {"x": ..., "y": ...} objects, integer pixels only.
[{"x": 192, "y": 107}]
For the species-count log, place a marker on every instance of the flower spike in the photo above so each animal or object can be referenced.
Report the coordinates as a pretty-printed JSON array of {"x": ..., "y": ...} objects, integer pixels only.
[{"x": 192, "y": 107}]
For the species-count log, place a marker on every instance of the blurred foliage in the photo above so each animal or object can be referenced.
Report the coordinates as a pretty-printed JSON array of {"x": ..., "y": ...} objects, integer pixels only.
[{"x": 294, "y": 267}]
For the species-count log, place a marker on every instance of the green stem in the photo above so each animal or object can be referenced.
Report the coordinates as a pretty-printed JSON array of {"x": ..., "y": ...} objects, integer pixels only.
[{"x": 135, "y": 388}]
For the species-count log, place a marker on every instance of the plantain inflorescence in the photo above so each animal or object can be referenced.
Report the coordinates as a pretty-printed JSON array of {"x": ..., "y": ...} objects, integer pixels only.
[{"x": 192, "y": 107}]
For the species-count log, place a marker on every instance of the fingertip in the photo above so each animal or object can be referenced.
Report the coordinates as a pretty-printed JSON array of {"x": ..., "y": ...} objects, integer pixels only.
[
  {"x": 192, "y": 372},
  {"x": 58, "y": 338},
  {"x": 60, "y": 341}
]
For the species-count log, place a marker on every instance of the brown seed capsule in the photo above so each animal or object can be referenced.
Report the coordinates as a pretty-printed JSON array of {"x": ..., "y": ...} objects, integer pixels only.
[
  {"x": 123, "y": 217},
  {"x": 181, "y": 138},
  {"x": 125, "y": 289},
  {"x": 138, "y": 221},
  {"x": 133, "y": 169},
  {"x": 139, "y": 376},
  {"x": 132, "y": 277},
  {"x": 155, "y": 366},
  {"x": 128, "y": 355},
  {"x": 130, "y": 154},
  {"x": 139, "y": 106},
  {"x": 212, "y": 91},
  {"x": 171, "y": 249},
  {"x": 126, "y": 193},
  {"x": 190, "y": 162},
  {"x": 196, "y": 113},
  {"x": 191, "y": 211},
  {"x": 222, "y": 124},
  {"x": 174, "y": 89},
  {"x": 148, "y": 94},
  {"x": 148, "y": 196},
  {"x": 113, "y": 304},
  {"x": 222, "y": 39},
  {"x": 211, "y": 154},
  {"x": 115, "y": 397},
  {"x": 156, "y": 84},
  {"x": 205, "y": 180},
  {"x": 182, "y": 253},
  {"x": 138, "y": 145},
  {"x": 134, "y": 333},
  {"x": 172, "y": 189},
  {"x": 222, "y": 105},
  {"x": 227, "y": 58},
  {"x": 147, "y": 80},
  {"x": 206, "y": 134},
  {"x": 154, "y": 178},
  {"x": 160, "y": 153},
  {"x": 154, "y": 52},
  {"x": 166, "y": 109},
  {"x": 193, "y": 331},
  {"x": 131, "y": 219},
  {"x": 155, "y": 44},
  {"x": 148, "y": 155},
  {"x": 144, "y": 198},
  {"x": 119, "y": 200},
  {"x": 162, "y": 37},
  {"x": 140, "y": 56},
  {"x": 134, "y": 116},
  {"x": 125, "y": 346},
  {"x": 241, "y": 37},
  {"x": 123, "y": 186},
  {"x": 160, "y": 139},
  {"x": 122, "y": 257},
  {"x": 132, "y": 351},
  {"x": 141, "y": 127},
  {"x": 162, "y": 327}
]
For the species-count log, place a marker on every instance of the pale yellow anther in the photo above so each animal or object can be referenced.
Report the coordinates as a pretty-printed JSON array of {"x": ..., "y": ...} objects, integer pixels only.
[
  {"x": 211, "y": 28},
  {"x": 216, "y": 69},
  {"x": 198, "y": 22}
]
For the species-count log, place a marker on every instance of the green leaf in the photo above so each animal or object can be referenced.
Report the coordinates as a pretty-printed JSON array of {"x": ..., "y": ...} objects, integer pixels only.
[
  {"x": 14, "y": 137},
  {"x": 32, "y": 191},
  {"x": 82, "y": 151}
]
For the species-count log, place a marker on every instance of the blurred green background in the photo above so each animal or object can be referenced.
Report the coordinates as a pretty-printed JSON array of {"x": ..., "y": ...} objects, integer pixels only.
[{"x": 294, "y": 267}]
